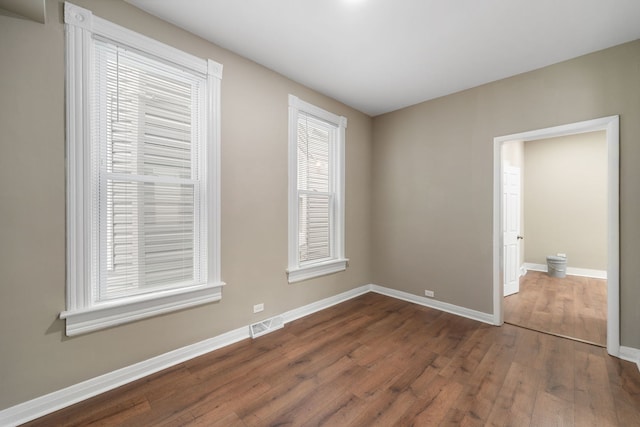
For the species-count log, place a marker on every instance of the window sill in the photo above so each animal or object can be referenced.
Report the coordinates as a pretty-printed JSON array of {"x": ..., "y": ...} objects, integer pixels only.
[
  {"x": 315, "y": 270},
  {"x": 116, "y": 313}
]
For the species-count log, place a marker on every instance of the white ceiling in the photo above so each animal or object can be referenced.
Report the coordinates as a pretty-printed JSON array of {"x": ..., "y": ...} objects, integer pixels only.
[{"x": 381, "y": 55}]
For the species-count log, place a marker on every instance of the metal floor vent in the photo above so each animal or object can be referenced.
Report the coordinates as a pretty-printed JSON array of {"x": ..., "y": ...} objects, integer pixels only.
[{"x": 266, "y": 326}]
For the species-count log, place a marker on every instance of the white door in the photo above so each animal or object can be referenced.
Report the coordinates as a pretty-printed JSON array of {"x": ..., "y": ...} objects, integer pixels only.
[{"x": 511, "y": 229}]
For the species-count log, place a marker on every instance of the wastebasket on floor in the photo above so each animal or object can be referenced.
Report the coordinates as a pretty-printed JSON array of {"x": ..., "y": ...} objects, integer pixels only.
[{"x": 556, "y": 266}]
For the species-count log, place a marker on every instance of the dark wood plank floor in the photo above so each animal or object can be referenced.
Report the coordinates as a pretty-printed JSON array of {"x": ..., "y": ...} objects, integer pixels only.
[
  {"x": 572, "y": 306},
  {"x": 377, "y": 361}
]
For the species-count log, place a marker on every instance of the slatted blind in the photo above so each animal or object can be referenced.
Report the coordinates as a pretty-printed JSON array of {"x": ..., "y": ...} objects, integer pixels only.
[
  {"x": 146, "y": 151},
  {"x": 315, "y": 189}
]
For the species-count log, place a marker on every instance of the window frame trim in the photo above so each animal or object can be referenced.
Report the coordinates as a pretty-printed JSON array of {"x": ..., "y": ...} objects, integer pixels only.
[
  {"x": 82, "y": 314},
  {"x": 297, "y": 271}
]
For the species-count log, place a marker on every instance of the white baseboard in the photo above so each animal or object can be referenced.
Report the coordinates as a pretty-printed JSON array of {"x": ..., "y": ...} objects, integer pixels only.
[
  {"x": 308, "y": 309},
  {"x": 438, "y": 305},
  {"x": 51, "y": 402},
  {"x": 630, "y": 354},
  {"x": 571, "y": 271}
]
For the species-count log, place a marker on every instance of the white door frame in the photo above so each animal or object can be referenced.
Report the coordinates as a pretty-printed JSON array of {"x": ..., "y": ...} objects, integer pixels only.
[{"x": 611, "y": 126}]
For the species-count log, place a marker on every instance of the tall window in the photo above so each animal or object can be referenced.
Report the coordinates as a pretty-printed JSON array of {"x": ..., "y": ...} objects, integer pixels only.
[
  {"x": 316, "y": 191},
  {"x": 142, "y": 141}
]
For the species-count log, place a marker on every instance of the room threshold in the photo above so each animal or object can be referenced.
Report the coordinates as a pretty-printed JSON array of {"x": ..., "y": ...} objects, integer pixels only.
[{"x": 556, "y": 335}]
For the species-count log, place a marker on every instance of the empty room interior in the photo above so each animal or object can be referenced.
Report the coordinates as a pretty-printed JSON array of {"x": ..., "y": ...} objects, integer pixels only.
[{"x": 346, "y": 212}]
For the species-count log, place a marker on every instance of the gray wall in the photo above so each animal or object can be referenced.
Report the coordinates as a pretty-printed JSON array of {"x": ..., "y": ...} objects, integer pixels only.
[
  {"x": 35, "y": 356},
  {"x": 433, "y": 176},
  {"x": 565, "y": 199}
]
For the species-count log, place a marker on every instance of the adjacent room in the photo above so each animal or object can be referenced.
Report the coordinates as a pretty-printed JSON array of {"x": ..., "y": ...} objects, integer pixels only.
[
  {"x": 562, "y": 214},
  {"x": 319, "y": 213}
]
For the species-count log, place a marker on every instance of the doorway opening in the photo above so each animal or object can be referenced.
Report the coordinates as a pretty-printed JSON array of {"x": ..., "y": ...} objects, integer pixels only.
[{"x": 502, "y": 249}]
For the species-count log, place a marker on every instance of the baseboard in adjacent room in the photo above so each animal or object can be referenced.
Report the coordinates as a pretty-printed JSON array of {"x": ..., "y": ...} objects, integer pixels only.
[{"x": 571, "y": 271}]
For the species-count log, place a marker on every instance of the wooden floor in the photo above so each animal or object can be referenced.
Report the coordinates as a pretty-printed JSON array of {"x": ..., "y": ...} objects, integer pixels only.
[
  {"x": 378, "y": 361},
  {"x": 573, "y": 306}
]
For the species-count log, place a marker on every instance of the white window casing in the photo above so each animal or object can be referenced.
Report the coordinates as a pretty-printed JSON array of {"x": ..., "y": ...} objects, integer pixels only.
[
  {"x": 316, "y": 191},
  {"x": 143, "y": 162}
]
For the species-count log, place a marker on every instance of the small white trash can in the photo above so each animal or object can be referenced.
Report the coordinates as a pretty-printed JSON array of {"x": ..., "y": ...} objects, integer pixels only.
[{"x": 556, "y": 266}]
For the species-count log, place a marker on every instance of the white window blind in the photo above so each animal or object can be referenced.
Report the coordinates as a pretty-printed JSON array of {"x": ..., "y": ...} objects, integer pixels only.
[
  {"x": 316, "y": 191},
  {"x": 315, "y": 188},
  {"x": 143, "y": 181},
  {"x": 146, "y": 152}
]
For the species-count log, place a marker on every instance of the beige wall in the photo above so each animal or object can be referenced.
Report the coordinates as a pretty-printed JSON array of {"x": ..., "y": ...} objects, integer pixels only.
[
  {"x": 35, "y": 356},
  {"x": 433, "y": 176},
  {"x": 565, "y": 199}
]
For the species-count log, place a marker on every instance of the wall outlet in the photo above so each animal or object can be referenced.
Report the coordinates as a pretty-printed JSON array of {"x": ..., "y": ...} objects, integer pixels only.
[
  {"x": 429, "y": 293},
  {"x": 258, "y": 308}
]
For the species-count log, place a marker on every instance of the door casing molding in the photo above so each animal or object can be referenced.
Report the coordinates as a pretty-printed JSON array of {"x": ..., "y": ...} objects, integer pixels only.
[{"x": 611, "y": 126}]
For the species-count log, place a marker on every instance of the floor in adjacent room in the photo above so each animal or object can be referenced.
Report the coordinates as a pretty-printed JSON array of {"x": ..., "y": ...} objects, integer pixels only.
[
  {"x": 573, "y": 306},
  {"x": 379, "y": 361}
]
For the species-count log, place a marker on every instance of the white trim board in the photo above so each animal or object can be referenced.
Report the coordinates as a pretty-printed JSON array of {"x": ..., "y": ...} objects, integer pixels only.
[
  {"x": 314, "y": 307},
  {"x": 56, "y": 400},
  {"x": 432, "y": 303},
  {"x": 571, "y": 271}
]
